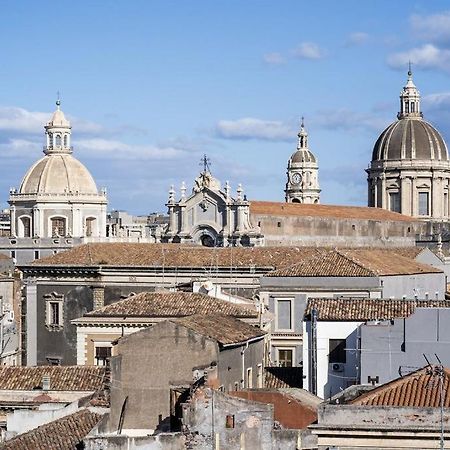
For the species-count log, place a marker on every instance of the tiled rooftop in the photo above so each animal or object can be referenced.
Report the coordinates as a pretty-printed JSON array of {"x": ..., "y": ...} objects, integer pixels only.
[
  {"x": 171, "y": 304},
  {"x": 418, "y": 389},
  {"x": 283, "y": 377},
  {"x": 174, "y": 255},
  {"x": 224, "y": 329},
  {"x": 62, "y": 378},
  {"x": 364, "y": 309},
  {"x": 339, "y": 212},
  {"x": 62, "y": 434},
  {"x": 353, "y": 263}
]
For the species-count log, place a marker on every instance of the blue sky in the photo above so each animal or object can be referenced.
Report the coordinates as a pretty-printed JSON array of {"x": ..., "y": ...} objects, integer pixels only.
[{"x": 152, "y": 85}]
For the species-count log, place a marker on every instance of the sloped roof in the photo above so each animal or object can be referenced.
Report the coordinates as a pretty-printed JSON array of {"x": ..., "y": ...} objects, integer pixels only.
[
  {"x": 62, "y": 378},
  {"x": 61, "y": 434},
  {"x": 364, "y": 309},
  {"x": 316, "y": 210},
  {"x": 174, "y": 255},
  {"x": 418, "y": 389},
  {"x": 283, "y": 377},
  {"x": 354, "y": 263},
  {"x": 171, "y": 304},
  {"x": 224, "y": 329}
]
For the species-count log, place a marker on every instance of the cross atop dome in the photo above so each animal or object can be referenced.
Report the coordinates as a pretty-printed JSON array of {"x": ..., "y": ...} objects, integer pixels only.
[{"x": 409, "y": 99}]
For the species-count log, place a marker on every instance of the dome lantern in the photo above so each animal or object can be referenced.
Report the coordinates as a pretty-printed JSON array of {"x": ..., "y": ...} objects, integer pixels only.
[
  {"x": 58, "y": 130},
  {"x": 409, "y": 100}
]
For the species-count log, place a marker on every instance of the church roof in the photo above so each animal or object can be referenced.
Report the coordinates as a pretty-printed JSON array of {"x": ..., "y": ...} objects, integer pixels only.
[{"x": 318, "y": 210}]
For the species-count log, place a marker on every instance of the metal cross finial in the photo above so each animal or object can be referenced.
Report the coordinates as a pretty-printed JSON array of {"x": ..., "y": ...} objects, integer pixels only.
[
  {"x": 303, "y": 122},
  {"x": 205, "y": 162},
  {"x": 58, "y": 100},
  {"x": 409, "y": 68}
]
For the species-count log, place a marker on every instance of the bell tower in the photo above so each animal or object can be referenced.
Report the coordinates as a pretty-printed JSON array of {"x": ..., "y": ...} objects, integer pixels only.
[{"x": 302, "y": 184}]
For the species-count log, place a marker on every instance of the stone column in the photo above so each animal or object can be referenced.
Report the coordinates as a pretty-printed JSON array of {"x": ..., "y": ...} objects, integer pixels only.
[
  {"x": 383, "y": 191},
  {"x": 414, "y": 211}
]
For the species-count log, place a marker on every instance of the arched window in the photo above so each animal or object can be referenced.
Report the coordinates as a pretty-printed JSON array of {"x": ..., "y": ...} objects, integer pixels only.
[
  {"x": 58, "y": 226},
  {"x": 58, "y": 140},
  {"x": 90, "y": 226},
  {"x": 50, "y": 140},
  {"x": 412, "y": 107},
  {"x": 295, "y": 200},
  {"x": 66, "y": 140},
  {"x": 25, "y": 227}
]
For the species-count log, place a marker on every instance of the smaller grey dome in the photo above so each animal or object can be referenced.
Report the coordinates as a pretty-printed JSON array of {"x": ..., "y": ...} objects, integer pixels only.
[{"x": 303, "y": 156}]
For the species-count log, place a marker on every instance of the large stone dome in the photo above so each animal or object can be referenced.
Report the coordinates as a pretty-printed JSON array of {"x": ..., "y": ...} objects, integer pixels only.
[
  {"x": 410, "y": 138},
  {"x": 58, "y": 174}
]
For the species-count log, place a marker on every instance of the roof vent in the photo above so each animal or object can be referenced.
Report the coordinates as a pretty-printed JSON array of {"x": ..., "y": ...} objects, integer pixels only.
[{"x": 46, "y": 382}]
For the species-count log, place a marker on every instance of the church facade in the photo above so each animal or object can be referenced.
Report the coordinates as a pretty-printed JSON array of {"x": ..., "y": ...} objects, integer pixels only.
[{"x": 410, "y": 168}]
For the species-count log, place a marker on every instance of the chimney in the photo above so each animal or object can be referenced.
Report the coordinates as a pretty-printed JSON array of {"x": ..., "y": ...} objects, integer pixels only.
[
  {"x": 46, "y": 382},
  {"x": 98, "y": 296}
]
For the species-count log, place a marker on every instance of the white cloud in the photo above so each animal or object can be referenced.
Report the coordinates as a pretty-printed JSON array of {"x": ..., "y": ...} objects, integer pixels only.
[
  {"x": 434, "y": 27},
  {"x": 274, "y": 58},
  {"x": 436, "y": 101},
  {"x": 21, "y": 121},
  {"x": 428, "y": 56},
  {"x": 251, "y": 128},
  {"x": 308, "y": 50},
  {"x": 344, "y": 119},
  {"x": 18, "y": 148},
  {"x": 118, "y": 150},
  {"x": 357, "y": 38}
]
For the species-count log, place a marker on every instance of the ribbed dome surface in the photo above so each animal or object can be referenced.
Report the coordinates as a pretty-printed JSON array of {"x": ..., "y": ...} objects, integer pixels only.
[
  {"x": 302, "y": 156},
  {"x": 410, "y": 138},
  {"x": 58, "y": 174}
]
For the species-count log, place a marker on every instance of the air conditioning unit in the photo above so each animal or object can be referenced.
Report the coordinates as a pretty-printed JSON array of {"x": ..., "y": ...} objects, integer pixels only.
[{"x": 337, "y": 367}]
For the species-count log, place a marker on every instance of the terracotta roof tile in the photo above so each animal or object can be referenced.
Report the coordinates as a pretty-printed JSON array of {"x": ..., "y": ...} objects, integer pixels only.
[
  {"x": 174, "y": 255},
  {"x": 61, "y": 434},
  {"x": 364, "y": 309},
  {"x": 62, "y": 378},
  {"x": 336, "y": 211},
  {"x": 417, "y": 389},
  {"x": 354, "y": 263},
  {"x": 283, "y": 377},
  {"x": 224, "y": 329},
  {"x": 171, "y": 304}
]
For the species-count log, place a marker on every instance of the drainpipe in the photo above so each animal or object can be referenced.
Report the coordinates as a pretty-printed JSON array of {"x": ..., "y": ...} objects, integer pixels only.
[{"x": 245, "y": 347}]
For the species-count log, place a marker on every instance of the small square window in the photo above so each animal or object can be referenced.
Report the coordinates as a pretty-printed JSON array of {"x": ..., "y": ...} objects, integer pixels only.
[{"x": 102, "y": 355}]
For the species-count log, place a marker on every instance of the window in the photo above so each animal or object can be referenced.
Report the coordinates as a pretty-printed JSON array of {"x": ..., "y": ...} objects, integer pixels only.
[
  {"x": 337, "y": 353},
  {"x": 259, "y": 377},
  {"x": 249, "y": 380},
  {"x": 36, "y": 254},
  {"x": 229, "y": 421},
  {"x": 50, "y": 140},
  {"x": 65, "y": 140},
  {"x": 285, "y": 357},
  {"x": 90, "y": 223},
  {"x": 25, "y": 227},
  {"x": 13, "y": 253},
  {"x": 58, "y": 226},
  {"x": 58, "y": 140},
  {"x": 284, "y": 314},
  {"x": 445, "y": 203},
  {"x": 423, "y": 204},
  {"x": 54, "y": 311},
  {"x": 394, "y": 201},
  {"x": 102, "y": 355}
]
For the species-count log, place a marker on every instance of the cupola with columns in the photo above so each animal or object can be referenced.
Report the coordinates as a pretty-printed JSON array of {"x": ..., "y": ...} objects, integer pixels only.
[
  {"x": 410, "y": 168},
  {"x": 302, "y": 184}
]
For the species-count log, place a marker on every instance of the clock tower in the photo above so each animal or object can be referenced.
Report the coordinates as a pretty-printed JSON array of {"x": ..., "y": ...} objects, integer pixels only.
[{"x": 302, "y": 184}]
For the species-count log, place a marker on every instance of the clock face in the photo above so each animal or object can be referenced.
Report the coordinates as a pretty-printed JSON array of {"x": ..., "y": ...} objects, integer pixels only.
[{"x": 296, "y": 178}]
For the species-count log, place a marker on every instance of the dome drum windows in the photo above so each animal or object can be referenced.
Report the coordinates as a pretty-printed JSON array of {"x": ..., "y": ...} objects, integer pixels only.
[
  {"x": 58, "y": 226},
  {"x": 24, "y": 226},
  {"x": 395, "y": 202},
  {"x": 424, "y": 203}
]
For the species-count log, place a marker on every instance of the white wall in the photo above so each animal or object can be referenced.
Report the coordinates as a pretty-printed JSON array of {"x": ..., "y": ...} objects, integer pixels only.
[{"x": 328, "y": 381}]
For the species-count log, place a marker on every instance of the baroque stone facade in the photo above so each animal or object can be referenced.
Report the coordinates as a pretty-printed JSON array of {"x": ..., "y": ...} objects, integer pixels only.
[
  {"x": 410, "y": 168},
  {"x": 210, "y": 216}
]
